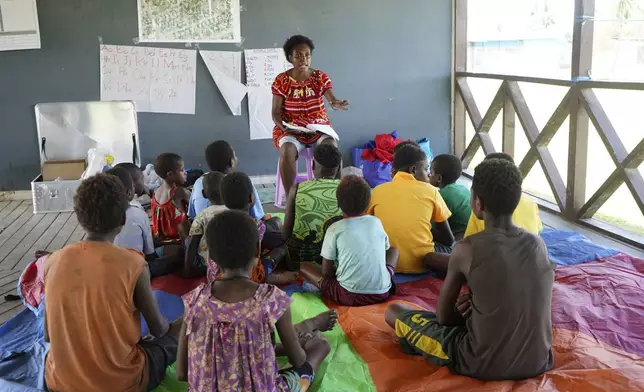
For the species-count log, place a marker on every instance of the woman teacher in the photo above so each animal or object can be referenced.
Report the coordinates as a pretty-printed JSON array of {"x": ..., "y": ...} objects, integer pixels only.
[{"x": 298, "y": 99}]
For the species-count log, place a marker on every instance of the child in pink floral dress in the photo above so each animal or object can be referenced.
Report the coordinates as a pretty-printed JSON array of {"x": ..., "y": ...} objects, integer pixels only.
[{"x": 227, "y": 341}]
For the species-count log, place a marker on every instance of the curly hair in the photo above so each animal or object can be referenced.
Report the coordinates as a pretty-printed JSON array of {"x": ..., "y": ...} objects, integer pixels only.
[
  {"x": 123, "y": 175},
  {"x": 233, "y": 239},
  {"x": 405, "y": 143},
  {"x": 448, "y": 166},
  {"x": 167, "y": 162},
  {"x": 328, "y": 156},
  {"x": 100, "y": 204},
  {"x": 296, "y": 40},
  {"x": 497, "y": 183},
  {"x": 219, "y": 156},
  {"x": 212, "y": 186},
  {"x": 407, "y": 156},
  {"x": 236, "y": 190},
  {"x": 354, "y": 195},
  {"x": 500, "y": 155}
]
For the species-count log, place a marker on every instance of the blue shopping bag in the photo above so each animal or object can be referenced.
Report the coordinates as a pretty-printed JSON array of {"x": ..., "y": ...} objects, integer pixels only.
[{"x": 375, "y": 173}]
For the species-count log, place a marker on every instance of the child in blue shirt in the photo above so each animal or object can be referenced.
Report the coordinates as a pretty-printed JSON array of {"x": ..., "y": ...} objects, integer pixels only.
[
  {"x": 357, "y": 262},
  {"x": 137, "y": 234},
  {"x": 220, "y": 157}
]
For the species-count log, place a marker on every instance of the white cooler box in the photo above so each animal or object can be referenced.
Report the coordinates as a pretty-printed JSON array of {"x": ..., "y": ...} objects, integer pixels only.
[{"x": 66, "y": 132}]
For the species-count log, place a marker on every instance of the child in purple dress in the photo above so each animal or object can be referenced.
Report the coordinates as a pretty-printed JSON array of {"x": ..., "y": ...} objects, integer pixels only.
[{"x": 227, "y": 340}]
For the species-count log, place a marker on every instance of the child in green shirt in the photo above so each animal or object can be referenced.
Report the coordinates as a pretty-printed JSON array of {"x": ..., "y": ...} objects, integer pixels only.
[{"x": 444, "y": 172}]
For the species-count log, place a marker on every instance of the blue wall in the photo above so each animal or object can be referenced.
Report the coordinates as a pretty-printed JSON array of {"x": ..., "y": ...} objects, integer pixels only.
[{"x": 391, "y": 60}]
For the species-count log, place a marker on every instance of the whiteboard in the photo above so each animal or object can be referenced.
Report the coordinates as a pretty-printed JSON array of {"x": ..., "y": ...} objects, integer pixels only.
[
  {"x": 158, "y": 80},
  {"x": 262, "y": 67}
]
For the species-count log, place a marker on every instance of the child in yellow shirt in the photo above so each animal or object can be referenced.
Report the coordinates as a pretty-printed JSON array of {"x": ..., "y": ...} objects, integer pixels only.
[{"x": 407, "y": 205}]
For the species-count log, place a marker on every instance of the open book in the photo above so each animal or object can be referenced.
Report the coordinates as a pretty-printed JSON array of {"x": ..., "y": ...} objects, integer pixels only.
[{"x": 313, "y": 128}]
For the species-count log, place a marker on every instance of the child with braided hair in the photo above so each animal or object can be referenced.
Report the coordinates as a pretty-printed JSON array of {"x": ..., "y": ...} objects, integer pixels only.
[{"x": 501, "y": 329}]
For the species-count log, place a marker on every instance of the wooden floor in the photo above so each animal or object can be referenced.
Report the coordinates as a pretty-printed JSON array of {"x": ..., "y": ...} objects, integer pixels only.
[{"x": 22, "y": 233}]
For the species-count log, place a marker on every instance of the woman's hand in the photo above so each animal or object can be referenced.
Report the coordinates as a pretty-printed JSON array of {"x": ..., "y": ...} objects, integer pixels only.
[{"x": 340, "y": 104}]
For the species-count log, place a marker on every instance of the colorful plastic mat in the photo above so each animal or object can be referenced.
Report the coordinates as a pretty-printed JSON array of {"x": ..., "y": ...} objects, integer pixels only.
[{"x": 598, "y": 333}]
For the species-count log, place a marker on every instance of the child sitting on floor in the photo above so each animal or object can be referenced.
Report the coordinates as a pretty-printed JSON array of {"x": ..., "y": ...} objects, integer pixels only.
[
  {"x": 501, "y": 329},
  {"x": 357, "y": 263},
  {"x": 227, "y": 342},
  {"x": 96, "y": 293},
  {"x": 136, "y": 233},
  {"x": 444, "y": 172},
  {"x": 197, "y": 252},
  {"x": 237, "y": 192},
  {"x": 137, "y": 177},
  {"x": 221, "y": 158},
  {"x": 406, "y": 207},
  {"x": 525, "y": 216},
  {"x": 170, "y": 201},
  {"x": 310, "y": 204}
]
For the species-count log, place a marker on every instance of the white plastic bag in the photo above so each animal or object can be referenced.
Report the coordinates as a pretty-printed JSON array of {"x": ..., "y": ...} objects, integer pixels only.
[
  {"x": 351, "y": 171},
  {"x": 97, "y": 160},
  {"x": 150, "y": 178}
]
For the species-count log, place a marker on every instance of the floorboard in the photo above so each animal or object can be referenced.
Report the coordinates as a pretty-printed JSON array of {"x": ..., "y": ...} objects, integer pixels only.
[
  {"x": 77, "y": 235},
  {"x": 18, "y": 237},
  {"x": 9, "y": 276},
  {"x": 18, "y": 215},
  {"x": 45, "y": 239},
  {"x": 63, "y": 235},
  {"x": 9, "y": 285},
  {"x": 8, "y": 209},
  {"x": 3, "y": 204},
  {"x": 13, "y": 258}
]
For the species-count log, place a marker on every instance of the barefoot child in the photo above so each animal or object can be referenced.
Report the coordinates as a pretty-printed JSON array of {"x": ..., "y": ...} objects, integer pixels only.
[
  {"x": 197, "y": 253},
  {"x": 171, "y": 199},
  {"x": 502, "y": 329},
  {"x": 406, "y": 207},
  {"x": 96, "y": 293},
  {"x": 227, "y": 342},
  {"x": 357, "y": 263},
  {"x": 221, "y": 158},
  {"x": 310, "y": 204}
]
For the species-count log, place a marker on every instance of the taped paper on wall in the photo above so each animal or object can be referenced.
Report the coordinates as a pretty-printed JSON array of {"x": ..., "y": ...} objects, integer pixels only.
[
  {"x": 189, "y": 21},
  {"x": 262, "y": 67},
  {"x": 158, "y": 80},
  {"x": 19, "y": 28},
  {"x": 225, "y": 69}
]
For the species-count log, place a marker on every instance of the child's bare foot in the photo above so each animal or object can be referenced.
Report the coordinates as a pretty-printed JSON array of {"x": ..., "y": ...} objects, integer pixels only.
[
  {"x": 322, "y": 322},
  {"x": 282, "y": 278}
]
